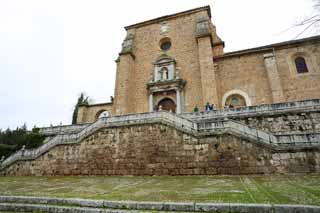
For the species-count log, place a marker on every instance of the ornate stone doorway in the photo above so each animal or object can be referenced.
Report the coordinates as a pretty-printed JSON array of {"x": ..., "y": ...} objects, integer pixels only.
[
  {"x": 167, "y": 104},
  {"x": 236, "y": 101}
]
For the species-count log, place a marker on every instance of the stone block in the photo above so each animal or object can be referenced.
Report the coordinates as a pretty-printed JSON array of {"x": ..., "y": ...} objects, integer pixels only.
[
  {"x": 85, "y": 203},
  {"x": 169, "y": 206},
  {"x": 158, "y": 206},
  {"x": 251, "y": 208},
  {"x": 212, "y": 207},
  {"x": 120, "y": 204}
]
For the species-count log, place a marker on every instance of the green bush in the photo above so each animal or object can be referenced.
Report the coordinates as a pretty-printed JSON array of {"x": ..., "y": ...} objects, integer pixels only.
[
  {"x": 6, "y": 150},
  {"x": 13, "y": 140}
]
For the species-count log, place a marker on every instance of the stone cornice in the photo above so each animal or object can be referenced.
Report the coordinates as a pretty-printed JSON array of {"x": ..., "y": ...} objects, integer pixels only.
[
  {"x": 94, "y": 105},
  {"x": 271, "y": 47},
  {"x": 166, "y": 85},
  {"x": 167, "y": 17}
]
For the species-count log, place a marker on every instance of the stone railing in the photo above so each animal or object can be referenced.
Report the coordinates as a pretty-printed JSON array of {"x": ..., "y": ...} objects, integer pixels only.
[
  {"x": 34, "y": 153},
  {"x": 133, "y": 119},
  {"x": 297, "y": 139},
  {"x": 197, "y": 129},
  {"x": 61, "y": 130},
  {"x": 250, "y": 111},
  {"x": 238, "y": 129}
]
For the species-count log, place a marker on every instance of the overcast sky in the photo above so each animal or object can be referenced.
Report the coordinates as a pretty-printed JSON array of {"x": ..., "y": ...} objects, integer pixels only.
[{"x": 51, "y": 50}]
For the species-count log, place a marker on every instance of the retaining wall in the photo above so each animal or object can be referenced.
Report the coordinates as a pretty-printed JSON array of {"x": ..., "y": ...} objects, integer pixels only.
[{"x": 159, "y": 149}]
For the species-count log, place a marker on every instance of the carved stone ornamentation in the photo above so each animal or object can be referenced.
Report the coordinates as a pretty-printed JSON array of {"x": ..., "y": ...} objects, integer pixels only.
[
  {"x": 164, "y": 28},
  {"x": 127, "y": 44},
  {"x": 202, "y": 26}
]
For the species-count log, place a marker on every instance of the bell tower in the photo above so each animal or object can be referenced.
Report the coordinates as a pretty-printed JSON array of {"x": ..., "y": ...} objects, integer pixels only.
[{"x": 167, "y": 64}]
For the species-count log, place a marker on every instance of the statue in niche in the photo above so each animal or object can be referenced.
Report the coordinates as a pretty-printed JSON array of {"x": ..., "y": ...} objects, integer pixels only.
[{"x": 164, "y": 73}]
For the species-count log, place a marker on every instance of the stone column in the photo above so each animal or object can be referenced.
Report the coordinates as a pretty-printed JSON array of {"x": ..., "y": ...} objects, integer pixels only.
[
  {"x": 274, "y": 79},
  {"x": 151, "y": 102},
  {"x": 178, "y": 93}
]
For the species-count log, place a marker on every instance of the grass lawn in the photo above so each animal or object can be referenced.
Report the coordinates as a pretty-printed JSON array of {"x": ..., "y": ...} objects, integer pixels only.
[{"x": 276, "y": 189}]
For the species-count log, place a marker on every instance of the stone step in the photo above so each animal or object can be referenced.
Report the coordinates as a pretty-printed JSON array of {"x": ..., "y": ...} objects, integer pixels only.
[{"x": 35, "y": 204}]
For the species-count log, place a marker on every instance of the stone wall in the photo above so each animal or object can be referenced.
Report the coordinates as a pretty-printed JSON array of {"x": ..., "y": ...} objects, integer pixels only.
[
  {"x": 250, "y": 72},
  {"x": 157, "y": 149},
  {"x": 90, "y": 113},
  {"x": 262, "y": 75},
  {"x": 302, "y": 117},
  {"x": 146, "y": 49},
  {"x": 293, "y": 123}
]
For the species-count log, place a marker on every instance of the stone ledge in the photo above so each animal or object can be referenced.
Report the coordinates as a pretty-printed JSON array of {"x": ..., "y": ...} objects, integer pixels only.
[
  {"x": 255, "y": 111},
  {"x": 22, "y": 203},
  {"x": 47, "y": 208}
]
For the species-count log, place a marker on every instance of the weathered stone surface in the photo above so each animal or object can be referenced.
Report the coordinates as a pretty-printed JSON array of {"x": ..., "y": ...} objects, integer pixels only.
[
  {"x": 264, "y": 75},
  {"x": 157, "y": 149},
  {"x": 120, "y": 204},
  {"x": 209, "y": 207},
  {"x": 170, "y": 206},
  {"x": 14, "y": 203},
  {"x": 150, "y": 206},
  {"x": 296, "y": 208}
]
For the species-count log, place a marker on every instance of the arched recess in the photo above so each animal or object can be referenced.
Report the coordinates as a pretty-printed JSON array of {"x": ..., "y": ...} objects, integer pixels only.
[
  {"x": 102, "y": 114},
  {"x": 166, "y": 104},
  {"x": 237, "y": 94}
]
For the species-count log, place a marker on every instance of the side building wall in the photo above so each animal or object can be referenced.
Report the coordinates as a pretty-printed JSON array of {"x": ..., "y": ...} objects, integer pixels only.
[
  {"x": 269, "y": 75},
  {"x": 90, "y": 113}
]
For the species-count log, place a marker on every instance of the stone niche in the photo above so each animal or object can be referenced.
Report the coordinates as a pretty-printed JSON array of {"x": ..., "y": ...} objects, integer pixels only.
[
  {"x": 164, "y": 69},
  {"x": 165, "y": 80}
]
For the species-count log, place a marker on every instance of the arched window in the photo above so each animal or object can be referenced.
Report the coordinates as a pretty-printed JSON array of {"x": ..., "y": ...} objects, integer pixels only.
[
  {"x": 235, "y": 101},
  {"x": 102, "y": 114},
  {"x": 301, "y": 65}
]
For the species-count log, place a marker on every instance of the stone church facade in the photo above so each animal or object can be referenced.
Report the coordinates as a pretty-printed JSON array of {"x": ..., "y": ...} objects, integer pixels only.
[
  {"x": 177, "y": 62},
  {"x": 170, "y": 65}
]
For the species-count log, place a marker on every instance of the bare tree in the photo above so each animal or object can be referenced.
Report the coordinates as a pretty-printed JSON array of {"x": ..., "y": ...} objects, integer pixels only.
[{"x": 313, "y": 21}]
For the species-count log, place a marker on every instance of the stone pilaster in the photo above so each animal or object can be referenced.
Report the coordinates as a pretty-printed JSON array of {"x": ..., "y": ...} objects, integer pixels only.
[
  {"x": 205, "y": 53},
  {"x": 274, "y": 79},
  {"x": 81, "y": 117},
  {"x": 178, "y": 93},
  {"x": 125, "y": 68},
  {"x": 150, "y": 102}
]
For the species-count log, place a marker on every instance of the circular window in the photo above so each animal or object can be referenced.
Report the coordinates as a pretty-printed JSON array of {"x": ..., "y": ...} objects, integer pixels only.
[{"x": 165, "y": 44}]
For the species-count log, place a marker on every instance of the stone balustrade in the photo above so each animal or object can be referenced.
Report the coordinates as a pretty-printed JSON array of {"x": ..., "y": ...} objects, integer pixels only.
[
  {"x": 185, "y": 125},
  {"x": 60, "y": 130},
  {"x": 239, "y": 130},
  {"x": 264, "y": 109}
]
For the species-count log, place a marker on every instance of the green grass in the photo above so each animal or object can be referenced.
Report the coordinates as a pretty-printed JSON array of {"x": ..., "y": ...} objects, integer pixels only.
[{"x": 276, "y": 189}]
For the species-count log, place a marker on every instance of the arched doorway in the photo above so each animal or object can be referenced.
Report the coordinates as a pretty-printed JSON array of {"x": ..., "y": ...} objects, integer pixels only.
[
  {"x": 236, "y": 100},
  {"x": 102, "y": 114},
  {"x": 167, "y": 104}
]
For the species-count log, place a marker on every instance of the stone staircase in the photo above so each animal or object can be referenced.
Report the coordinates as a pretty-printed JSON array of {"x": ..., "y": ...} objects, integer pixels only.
[
  {"x": 196, "y": 127},
  {"x": 74, "y": 205}
]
